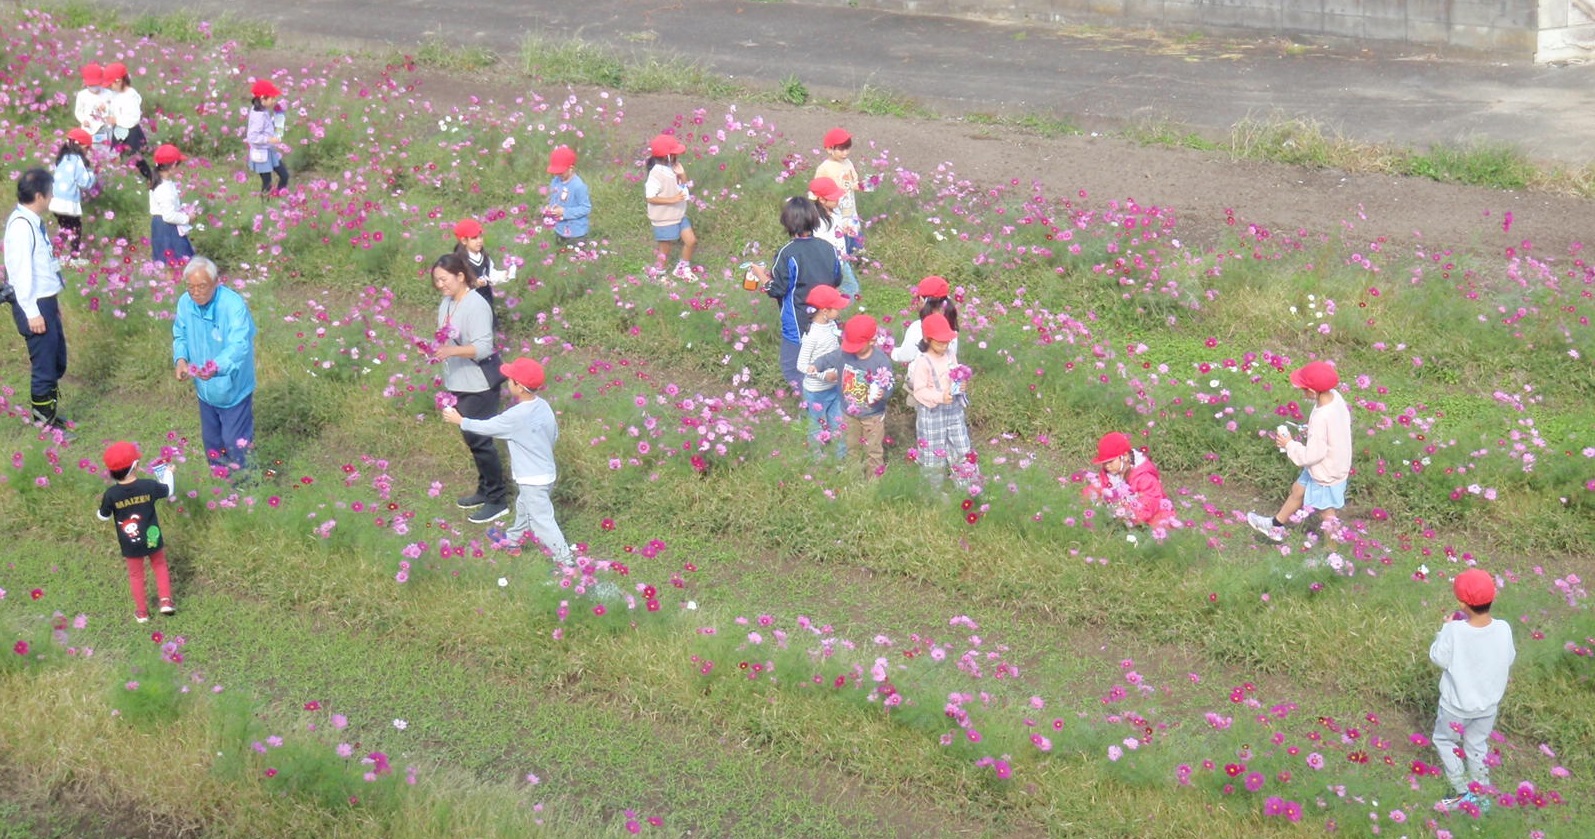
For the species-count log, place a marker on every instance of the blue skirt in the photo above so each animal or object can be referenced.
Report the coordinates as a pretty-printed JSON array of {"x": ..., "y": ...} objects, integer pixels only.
[
  {"x": 270, "y": 164},
  {"x": 166, "y": 244},
  {"x": 1320, "y": 496}
]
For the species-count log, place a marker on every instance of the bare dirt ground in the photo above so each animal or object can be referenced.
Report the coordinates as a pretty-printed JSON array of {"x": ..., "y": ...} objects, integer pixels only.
[{"x": 1199, "y": 186}]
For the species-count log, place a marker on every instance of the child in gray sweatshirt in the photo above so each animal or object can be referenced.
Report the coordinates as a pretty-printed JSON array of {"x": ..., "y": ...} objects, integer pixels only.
[{"x": 530, "y": 429}]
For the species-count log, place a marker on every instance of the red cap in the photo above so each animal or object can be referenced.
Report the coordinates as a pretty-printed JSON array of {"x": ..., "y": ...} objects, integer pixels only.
[
  {"x": 121, "y": 455},
  {"x": 665, "y": 145},
  {"x": 467, "y": 228},
  {"x": 936, "y": 328},
  {"x": 1113, "y": 444},
  {"x": 1474, "y": 587},
  {"x": 524, "y": 371},
  {"x": 93, "y": 75},
  {"x": 932, "y": 286},
  {"x": 263, "y": 88},
  {"x": 827, "y": 297},
  {"x": 1317, "y": 376},
  {"x": 825, "y": 188},
  {"x": 858, "y": 333},
  {"x": 168, "y": 154},
  {"x": 80, "y": 136},
  {"x": 837, "y": 137},
  {"x": 560, "y": 160},
  {"x": 115, "y": 71}
]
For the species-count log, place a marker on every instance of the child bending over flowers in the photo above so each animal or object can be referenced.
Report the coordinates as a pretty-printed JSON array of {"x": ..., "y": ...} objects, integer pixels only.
[{"x": 1129, "y": 484}]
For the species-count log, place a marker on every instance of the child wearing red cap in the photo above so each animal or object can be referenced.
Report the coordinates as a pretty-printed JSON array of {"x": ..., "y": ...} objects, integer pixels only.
[
  {"x": 267, "y": 121},
  {"x": 839, "y": 168},
  {"x": 934, "y": 296},
  {"x": 131, "y": 502},
  {"x": 939, "y": 404},
  {"x": 666, "y": 194},
  {"x": 530, "y": 430},
  {"x": 821, "y": 397},
  {"x": 73, "y": 178},
  {"x": 866, "y": 384},
  {"x": 1476, "y": 652},
  {"x": 569, "y": 201},
  {"x": 92, "y": 107},
  {"x": 170, "y": 220},
  {"x": 1129, "y": 483},
  {"x": 801, "y": 265},
  {"x": 827, "y": 195},
  {"x": 471, "y": 245},
  {"x": 127, "y": 116},
  {"x": 1325, "y": 457}
]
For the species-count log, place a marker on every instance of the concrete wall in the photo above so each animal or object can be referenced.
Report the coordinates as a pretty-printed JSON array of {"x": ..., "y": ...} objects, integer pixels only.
[
  {"x": 1567, "y": 30},
  {"x": 1545, "y": 30}
]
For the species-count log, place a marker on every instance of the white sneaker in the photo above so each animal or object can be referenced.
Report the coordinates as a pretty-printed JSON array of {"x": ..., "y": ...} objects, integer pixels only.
[
  {"x": 684, "y": 271},
  {"x": 1265, "y": 526}
]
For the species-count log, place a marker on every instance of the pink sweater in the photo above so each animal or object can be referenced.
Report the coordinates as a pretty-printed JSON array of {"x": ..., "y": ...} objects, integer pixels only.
[{"x": 1327, "y": 452}]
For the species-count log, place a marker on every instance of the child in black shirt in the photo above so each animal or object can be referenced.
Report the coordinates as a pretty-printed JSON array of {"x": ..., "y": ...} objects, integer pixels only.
[{"x": 131, "y": 501}]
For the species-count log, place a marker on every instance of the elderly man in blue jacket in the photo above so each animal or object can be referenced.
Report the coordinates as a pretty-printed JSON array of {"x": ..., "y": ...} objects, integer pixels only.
[{"x": 213, "y": 343}]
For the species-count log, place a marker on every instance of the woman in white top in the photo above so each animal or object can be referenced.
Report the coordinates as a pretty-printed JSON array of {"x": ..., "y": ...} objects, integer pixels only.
[
  {"x": 932, "y": 292},
  {"x": 169, "y": 221}
]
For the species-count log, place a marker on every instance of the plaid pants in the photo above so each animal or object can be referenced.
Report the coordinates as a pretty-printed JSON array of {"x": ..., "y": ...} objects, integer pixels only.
[{"x": 943, "y": 440}]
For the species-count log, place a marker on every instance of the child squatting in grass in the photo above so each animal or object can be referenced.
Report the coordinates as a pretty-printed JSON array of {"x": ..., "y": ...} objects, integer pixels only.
[{"x": 1129, "y": 483}]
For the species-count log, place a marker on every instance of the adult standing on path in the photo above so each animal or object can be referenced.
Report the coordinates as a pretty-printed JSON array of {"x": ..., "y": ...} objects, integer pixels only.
[
  {"x": 466, "y": 323},
  {"x": 213, "y": 343},
  {"x": 35, "y": 277}
]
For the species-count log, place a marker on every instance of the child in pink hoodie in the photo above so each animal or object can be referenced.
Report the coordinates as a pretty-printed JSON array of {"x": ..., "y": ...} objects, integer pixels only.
[{"x": 1129, "y": 484}]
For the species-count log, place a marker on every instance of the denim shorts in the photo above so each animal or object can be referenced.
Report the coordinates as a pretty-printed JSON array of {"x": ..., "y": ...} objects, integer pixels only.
[
  {"x": 1320, "y": 496},
  {"x": 671, "y": 232}
]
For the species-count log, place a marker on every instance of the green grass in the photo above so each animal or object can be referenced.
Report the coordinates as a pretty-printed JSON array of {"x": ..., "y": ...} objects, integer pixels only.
[
  {"x": 455, "y": 58},
  {"x": 1041, "y": 125},
  {"x": 616, "y": 714},
  {"x": 880, "y": 101},
  {"x": 574, "y": 61}
]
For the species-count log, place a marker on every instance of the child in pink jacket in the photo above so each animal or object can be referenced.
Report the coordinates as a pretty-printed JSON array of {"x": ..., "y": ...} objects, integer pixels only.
[{"x": 1129, "y": 484}]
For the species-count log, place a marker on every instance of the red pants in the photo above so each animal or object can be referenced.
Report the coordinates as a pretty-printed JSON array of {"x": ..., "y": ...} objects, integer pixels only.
[{"x": 135, "y": 580}]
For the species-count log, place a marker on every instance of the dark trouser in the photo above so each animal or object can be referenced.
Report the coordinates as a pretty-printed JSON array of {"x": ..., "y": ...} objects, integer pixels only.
[
  {"x": 133, "y": 146},
  {"x": 47, "y": 354},
  {"x": 282, "y": 178},
  {"x": 228, "y": 433},
  {"x": 72, "y": 228},
  {"x": 489, "y": 469},
  {"x": 789, "y": 368}
]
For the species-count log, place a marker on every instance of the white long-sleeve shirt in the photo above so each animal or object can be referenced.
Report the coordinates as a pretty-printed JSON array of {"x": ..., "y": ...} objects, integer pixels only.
[
  {"x": 92, "y": 108},
  {"x": 821, "y": 340},
  {"x": 907, "y": 351},
  {"x": 31, "y": 266},
  {"x": 1476, "y": 660},
  {"x": 127, "y": 109},
  {"x": 167, "y": 205}
]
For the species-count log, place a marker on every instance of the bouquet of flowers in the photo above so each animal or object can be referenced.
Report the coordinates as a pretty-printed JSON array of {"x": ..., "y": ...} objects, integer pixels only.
[
  {"x": 880, "y": 381},
  {"x": 204, "y": 371},
  {"x": 439, "y": 340},
  {"x": 960, "y": 375}
]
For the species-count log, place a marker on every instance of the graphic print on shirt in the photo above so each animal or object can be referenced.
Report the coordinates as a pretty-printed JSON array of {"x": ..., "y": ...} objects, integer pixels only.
[{"x": 131, "y": 529}]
